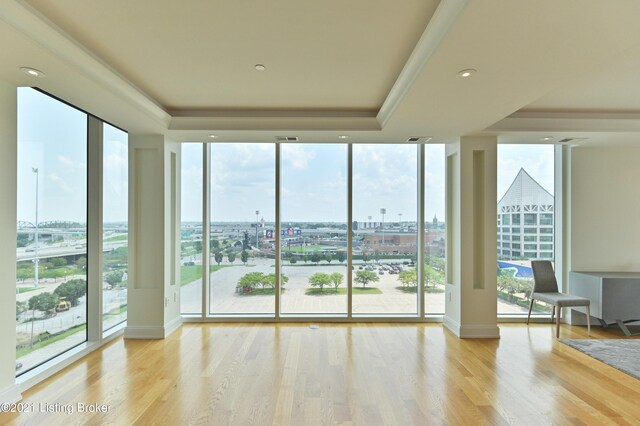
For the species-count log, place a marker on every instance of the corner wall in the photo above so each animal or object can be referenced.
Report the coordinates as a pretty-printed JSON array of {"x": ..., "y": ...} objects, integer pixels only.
[{"x": 8, "y": 219}]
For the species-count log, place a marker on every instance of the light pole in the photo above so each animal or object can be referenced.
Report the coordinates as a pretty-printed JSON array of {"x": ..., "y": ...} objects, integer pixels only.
[
  {"x": 257, "y": 224},
  {"x": 383, "y": 212},
  {"x": 35, "y": 280},
  {"x": 35, "y": 252}
]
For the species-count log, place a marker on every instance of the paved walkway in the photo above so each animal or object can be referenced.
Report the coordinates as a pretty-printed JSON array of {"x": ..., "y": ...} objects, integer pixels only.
[{"x": 225, "y": 300}]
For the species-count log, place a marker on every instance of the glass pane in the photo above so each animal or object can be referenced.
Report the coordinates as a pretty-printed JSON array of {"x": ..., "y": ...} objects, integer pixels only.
[
  {"x": 52, "y": 229},
  {"x": 525, "y": 184},
  {"x": 191, "y": 229},
  {"x": 242, "y": 223},
  {"x": 314, "y": 228},
  {"x": 115, "y": 236},
  {"x": 435, "y": 230},
  {"x": 384, "y": 251}
]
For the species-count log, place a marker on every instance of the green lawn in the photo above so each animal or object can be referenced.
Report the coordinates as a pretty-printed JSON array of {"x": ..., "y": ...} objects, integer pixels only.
[
  {"x": 300, "y": 249},
  {"x": 314, "y": 291},
  {"x": 190, "y": 273},
  {"x": 123, "y": 237},
  {"x": 41, "y": 344}
]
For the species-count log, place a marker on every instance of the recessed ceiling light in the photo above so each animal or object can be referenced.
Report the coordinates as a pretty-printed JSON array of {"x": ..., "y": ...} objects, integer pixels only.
[
  {"x": 343, "y": 137},
  {"x": 546, "y": 138},
  {"x": 260, "y": 67},
  {"x": 466, "y": 73},
  {"x": 32, "y": 72},
  {"x": 213, "y": 136}
]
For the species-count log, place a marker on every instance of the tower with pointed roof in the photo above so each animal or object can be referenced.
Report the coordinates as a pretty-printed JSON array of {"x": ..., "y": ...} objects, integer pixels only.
[{"x": 526, "y": 220}]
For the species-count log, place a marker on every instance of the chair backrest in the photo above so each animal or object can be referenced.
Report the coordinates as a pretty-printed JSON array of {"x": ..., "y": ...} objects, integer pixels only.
[{"x": 544, "y": 280}]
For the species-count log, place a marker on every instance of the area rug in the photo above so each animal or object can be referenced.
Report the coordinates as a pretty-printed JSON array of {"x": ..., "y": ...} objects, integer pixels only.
[{"x": 623, "y": 354}]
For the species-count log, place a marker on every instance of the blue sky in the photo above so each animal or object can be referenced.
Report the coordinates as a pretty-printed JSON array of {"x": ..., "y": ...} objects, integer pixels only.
[{"x": 52, "y": 137}]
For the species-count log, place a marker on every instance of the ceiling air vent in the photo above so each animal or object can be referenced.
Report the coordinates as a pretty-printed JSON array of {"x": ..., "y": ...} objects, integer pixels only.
[
  {"x": 418, "y": 139},
  {"x": 567, "y": 140},
  {"x": 287, "y": 138}
]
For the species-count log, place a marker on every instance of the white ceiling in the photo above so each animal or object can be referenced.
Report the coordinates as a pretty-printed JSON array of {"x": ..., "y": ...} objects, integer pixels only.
[{"x": 378, "y": 71}]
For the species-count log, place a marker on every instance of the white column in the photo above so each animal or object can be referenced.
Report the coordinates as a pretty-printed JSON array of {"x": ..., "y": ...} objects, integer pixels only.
[
  {"x": 8, "y": 218},
  {"x": 154, "y": 238},
  {"x": 471, "y": 289}
]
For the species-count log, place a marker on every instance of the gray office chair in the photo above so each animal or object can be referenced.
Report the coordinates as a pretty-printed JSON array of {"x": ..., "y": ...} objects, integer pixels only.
[{"x": 545, "y": 289}]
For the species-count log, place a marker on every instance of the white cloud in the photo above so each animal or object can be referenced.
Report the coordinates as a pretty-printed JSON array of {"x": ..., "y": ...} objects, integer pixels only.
[
  {"x": 65, "y": 161},
  {"x": 297, "y": 156},
  {"x": 59, "y": 182}
]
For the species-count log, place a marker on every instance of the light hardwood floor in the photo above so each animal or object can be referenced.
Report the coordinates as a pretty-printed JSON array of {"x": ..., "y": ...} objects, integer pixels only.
[{"x": 362, "y": 374}]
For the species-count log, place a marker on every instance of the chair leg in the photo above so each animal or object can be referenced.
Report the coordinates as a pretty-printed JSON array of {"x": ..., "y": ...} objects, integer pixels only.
[
  {"x": 530, "y": 307},
  {"x": 588, "y": 320},
  {"x": 553, "y": 313},
  {"x": 558, "y": 322}
]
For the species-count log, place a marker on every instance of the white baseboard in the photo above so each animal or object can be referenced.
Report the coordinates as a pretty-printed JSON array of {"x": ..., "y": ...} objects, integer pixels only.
[
  {"x": 152, "y": 331},
  {"x": 172, "y": 326},
  {"x": 451, "y": 324},
  {"x": 10, "y": 395},
  {"x": 474, "y": 331}
]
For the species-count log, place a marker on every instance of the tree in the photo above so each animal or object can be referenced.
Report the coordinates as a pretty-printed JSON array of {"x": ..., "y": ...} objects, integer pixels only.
[
  {"x": 218, "y": 257},
  {"x": 341, "y": 256},
  {"x": 72, "y": 290},
  {"x": 43, "y": 302},
  {"x": 214, "y": 244},
  {"x": 114, "y": 278},
  {"x": 328, "y": 257},
  {"x": 336, "y": 279},
  {"x": 271, "y": 280},
  {"x": 81, "y": 262},
  {"x": 315, "y": 257},
  {"x": 251, "y": 280},
  {"x": 408, "y": 277},
  {"x": 245, "y": 241},
  {"x": 197, "y": 246},
  {"x": 319, "y": 279},
  {"x": 20, "y": 308},
  {"x": 293, "y": 260},
  {"x": 365, "y": 277},
  {"x": 24, "y": 273},
  {"x": 244, "y": 256},
  {"x": 231, "y": 257},
  {"x": 58, "y": 262},
  {"x": 365, "y": 257}
]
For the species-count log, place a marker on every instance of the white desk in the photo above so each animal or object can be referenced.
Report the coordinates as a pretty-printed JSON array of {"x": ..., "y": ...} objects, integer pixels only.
[{"x": 614, "y": 295}]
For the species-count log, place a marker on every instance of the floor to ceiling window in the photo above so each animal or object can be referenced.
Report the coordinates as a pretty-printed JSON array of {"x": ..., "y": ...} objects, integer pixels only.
[
  {"x": 526, "y": 221},
  {"x": 191, "y": 229},
  {"x": 51, "y": 288},
  {"x": 385, "y": 243},
  {"x": 434, "y": 229},
  {"x": 313, "y": 242},
  {"x": 115, "y": 227},
  {"x": 317, "y": 220},
  {"x": 242, "y": 242}
]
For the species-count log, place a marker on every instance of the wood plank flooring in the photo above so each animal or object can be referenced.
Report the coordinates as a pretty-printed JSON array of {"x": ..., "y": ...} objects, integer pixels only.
[{"x": 348, "y": 374}]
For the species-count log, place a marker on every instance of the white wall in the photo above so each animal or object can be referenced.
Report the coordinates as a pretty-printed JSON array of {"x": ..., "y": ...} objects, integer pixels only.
[
  {"x": 8, "y": 185},
  {"x": 605, "y": 209}
]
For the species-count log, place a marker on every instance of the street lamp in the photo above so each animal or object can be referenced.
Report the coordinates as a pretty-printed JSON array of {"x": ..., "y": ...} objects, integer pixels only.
[
  {"x": 35, "y": 280},
  {"x": 383, "y": 212},
  {"x": 35, "y": 252},
  {"x": 257, "y": 224}
]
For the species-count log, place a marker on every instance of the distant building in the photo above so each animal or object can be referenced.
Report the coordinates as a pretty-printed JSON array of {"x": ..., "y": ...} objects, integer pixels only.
[{"x": 525, "y": 220}]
